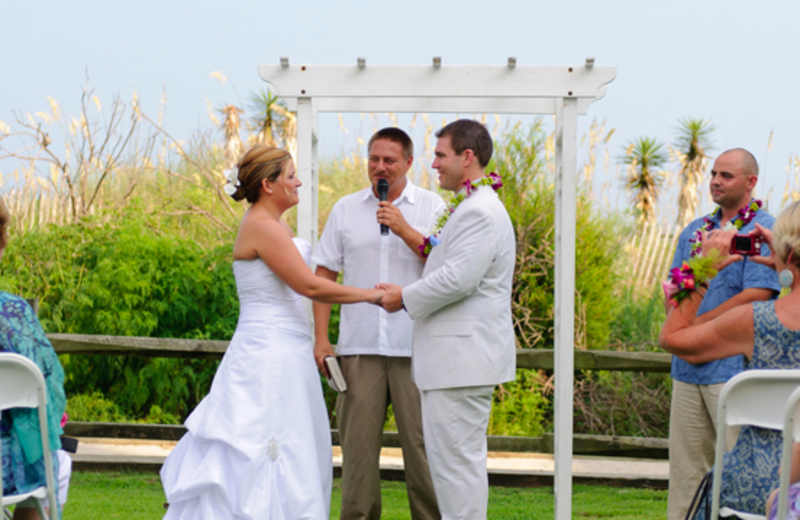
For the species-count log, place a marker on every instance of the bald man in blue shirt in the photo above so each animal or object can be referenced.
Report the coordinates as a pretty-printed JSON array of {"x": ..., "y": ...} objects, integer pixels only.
[{"x": 696, "y": 388}]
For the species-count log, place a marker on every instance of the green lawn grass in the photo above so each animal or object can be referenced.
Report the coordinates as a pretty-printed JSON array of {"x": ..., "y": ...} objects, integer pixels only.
[{"x": 139, "y": 495}]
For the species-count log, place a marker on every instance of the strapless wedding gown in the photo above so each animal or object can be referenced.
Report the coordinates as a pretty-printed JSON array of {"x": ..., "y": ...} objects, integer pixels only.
[{"x": 259, "y": 444}]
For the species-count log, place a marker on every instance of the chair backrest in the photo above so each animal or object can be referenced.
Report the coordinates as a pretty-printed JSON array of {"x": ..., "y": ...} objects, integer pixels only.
[
  {"x": 758, "y": 397},
  {"x": 21, "y": 382},
  {"x": 754, "y": 397},
  {"x": 22, "y": 386},
  {"x": 793, "y": 413},
  {"x": 791, "y": 433}
]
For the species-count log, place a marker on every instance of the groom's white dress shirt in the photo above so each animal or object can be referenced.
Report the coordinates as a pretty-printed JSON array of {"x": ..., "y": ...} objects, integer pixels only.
[{"x": 352, "y": 238}]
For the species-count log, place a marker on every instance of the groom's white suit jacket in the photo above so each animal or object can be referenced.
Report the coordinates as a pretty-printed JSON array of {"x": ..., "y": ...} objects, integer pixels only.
[{"x": 461, "y": 307}]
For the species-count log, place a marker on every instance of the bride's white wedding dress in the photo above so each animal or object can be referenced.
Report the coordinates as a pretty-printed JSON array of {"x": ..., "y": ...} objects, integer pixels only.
[{"x": 259, "y": 444}]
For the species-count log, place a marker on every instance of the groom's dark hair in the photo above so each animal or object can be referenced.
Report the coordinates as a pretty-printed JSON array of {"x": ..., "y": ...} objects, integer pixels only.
[{"x": 468, "y": 134}]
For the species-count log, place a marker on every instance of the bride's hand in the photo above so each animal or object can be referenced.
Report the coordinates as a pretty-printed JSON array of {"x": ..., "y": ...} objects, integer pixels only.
[{"x": 374, "y": 296}]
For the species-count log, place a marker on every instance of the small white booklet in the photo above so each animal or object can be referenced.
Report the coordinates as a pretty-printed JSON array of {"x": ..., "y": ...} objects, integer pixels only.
[{"x": 335, "y": 379}]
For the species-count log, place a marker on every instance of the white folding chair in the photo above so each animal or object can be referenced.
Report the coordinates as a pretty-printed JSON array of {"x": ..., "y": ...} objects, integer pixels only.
[
  {"x": 22, "y": 386},
  {"x": 791, "y": 433},
  {"x": 756, "y": 398}
]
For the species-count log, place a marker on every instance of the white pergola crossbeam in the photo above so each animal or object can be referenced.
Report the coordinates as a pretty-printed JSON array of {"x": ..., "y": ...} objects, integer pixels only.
[
  {"x": 320, "y": 81},
  {"x": 504, "y": 89},
  {"x": 456, "y": 105}
]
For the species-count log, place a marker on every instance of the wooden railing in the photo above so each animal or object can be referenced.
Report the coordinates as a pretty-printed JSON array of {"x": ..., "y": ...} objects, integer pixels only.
[
  {"x": 204, "y": 349},
  {"x": 599, "y": 445}
]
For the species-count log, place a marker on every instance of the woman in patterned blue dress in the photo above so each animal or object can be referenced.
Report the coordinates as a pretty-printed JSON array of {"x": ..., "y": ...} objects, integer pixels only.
[
  {"x": 20, "y": 442},
  {"x": 767, "y": 334}
]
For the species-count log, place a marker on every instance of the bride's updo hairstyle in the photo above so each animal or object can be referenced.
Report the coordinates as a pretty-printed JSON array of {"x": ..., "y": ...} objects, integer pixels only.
[
  {"x": 786, "y": 233},
  {"x": 259, "y": 163}
]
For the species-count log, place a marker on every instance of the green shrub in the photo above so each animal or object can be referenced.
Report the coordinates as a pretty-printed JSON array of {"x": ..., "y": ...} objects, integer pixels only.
[
  {"x": 94, "y": 407},
  {"x": 529, "y": 197},
  {"x": 627, "y": 403},
  {"x": 639, "y": 321},
  {"x": 518, "y": 407},
  {"x": 122, "y": 274},
  {"x": 623, "y": 403}
]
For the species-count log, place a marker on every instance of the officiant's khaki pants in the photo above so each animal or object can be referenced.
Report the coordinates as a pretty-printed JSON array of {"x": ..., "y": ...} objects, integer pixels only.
[
  {"x": 372, "y": 383},
  {"x": 692, "y": 442},
  {"x": 455, "y": 421}
]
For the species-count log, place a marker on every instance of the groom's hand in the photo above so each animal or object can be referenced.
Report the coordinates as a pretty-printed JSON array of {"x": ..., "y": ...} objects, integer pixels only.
[{"x": 392, "y": 300}]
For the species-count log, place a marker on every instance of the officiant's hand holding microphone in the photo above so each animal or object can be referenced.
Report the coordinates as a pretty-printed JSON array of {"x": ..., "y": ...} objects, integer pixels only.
[{"x": 391, "y": 219}]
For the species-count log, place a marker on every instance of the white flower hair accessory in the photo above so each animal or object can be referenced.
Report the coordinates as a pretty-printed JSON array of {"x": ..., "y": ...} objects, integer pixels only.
[{"x": 232, "y": 176}]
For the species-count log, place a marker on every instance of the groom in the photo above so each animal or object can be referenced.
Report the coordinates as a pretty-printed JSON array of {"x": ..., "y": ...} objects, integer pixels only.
[{"x": 463, "y": 343}]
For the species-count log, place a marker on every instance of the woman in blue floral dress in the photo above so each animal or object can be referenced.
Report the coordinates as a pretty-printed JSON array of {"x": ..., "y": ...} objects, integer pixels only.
[
  {"x": 21, "y": 446},
  {"x": 767, "y": 334}
]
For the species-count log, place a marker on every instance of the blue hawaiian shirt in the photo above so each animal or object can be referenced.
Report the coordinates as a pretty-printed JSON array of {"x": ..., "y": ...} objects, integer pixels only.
[{"x": 728, "y": 283}]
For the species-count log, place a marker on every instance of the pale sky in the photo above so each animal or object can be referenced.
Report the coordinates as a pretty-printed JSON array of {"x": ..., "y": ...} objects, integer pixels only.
[{"x": 734, "y": 62}]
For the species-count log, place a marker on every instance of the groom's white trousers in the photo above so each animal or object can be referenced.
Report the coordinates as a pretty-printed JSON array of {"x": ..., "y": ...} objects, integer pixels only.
[{"x": 454, "y": 423}]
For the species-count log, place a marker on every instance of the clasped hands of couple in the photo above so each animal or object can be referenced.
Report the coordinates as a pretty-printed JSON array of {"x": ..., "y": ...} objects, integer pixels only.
[
  {"x": 721, "y": 241},
  {"x": 389, "y": 296}
]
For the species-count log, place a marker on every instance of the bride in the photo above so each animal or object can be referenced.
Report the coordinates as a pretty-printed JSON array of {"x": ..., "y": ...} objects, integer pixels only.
[{"x": 259, "y": 444}]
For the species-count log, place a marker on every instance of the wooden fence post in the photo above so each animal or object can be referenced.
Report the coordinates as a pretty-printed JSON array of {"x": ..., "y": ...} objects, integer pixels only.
[{"x": 34, "y": 303}]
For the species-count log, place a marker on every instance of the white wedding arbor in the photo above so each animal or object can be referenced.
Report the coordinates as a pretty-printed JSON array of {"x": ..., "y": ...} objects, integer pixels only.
[{"x": 505, "y": 89}]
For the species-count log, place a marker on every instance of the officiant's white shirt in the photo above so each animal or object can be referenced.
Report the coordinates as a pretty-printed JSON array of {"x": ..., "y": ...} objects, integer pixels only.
[{"x": 352, "y": 243}]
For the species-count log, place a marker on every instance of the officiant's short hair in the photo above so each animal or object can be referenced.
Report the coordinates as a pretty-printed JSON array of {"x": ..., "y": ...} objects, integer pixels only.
[
  {"x": 468, "y": 134},
  {"x": 395, "y": 135}
]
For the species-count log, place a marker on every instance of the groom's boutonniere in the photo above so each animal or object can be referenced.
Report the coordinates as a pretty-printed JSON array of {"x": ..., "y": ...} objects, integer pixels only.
[{"x": 432, "y": 240}]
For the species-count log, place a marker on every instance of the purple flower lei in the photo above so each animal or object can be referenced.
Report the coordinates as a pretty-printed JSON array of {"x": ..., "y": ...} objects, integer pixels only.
[
  {"x": 744, "y": 217},
  {"x": 492, "y": 179}
]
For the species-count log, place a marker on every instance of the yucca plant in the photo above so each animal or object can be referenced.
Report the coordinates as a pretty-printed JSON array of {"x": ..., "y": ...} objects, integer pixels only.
[
  {"x": 645, "y": 158},
  {"x": 273, "y": 123},
  {"x": 691, "y": 148}
]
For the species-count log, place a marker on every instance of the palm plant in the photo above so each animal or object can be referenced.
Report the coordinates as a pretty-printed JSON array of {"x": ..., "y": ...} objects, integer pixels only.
[
  {"x": 645, "y": 157},
  {"x": 274, "y": 124},
  {"x": 691, "y": 148}
]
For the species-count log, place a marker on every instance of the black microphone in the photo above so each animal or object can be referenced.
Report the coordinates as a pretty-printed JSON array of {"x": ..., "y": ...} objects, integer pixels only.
[{"x": 383, "y": 194}]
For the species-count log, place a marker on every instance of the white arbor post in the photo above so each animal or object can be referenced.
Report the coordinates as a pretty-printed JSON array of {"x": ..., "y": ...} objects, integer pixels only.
[
  {"x": 510, "y": 89},
  {"x": 307, "y": 169},
  {"x": 566, "y": 192}
]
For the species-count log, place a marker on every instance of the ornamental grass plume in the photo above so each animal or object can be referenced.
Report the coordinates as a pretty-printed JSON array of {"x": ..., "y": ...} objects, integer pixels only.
[
  {"x": 792, "y": 192},
  {"x": 598, "y": 137},
  {"x": 231, "y": 127}
]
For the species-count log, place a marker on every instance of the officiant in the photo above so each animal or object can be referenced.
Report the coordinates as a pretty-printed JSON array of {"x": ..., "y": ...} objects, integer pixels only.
[{"x": 374, "y": 347}]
